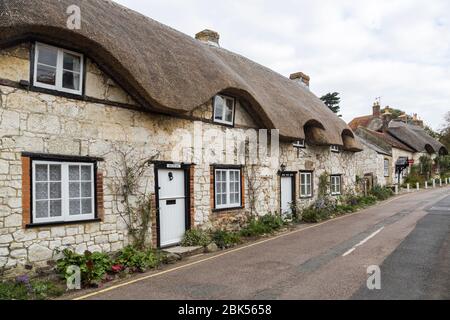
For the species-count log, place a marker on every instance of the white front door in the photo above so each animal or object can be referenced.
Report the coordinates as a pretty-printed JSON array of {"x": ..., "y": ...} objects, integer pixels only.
[
  {"x": 286, "y": 195},
  {"x": 172, "y": 206}
]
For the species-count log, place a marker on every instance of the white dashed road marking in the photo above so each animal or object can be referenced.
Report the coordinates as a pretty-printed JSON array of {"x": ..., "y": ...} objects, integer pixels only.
[{"x": 363, "y": 242}]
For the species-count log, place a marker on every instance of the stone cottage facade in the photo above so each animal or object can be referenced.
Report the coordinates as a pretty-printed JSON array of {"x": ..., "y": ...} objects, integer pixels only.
[
  {"x": 403, "y": 138},
  {"x": 67, "y": 116}
]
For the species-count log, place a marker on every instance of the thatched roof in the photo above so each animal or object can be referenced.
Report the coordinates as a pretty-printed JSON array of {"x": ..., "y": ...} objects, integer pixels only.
[
  {"x": 166, "y": 70},
  {"x": 369, "y": 144},
  {"x": 416, "y": 137},
  {"x": 383, "y": 140}
]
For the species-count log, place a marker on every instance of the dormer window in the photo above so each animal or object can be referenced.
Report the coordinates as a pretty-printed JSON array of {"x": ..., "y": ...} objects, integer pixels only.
[
  {"x": 58, "y": 69},
  {"x": 224, "y": 108},
  {"x": 335, "y": 148},
  {"x": 300, "y": 144}
]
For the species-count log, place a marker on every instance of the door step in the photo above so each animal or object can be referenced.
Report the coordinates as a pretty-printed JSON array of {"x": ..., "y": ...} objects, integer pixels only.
[{"x": 184, "y": 252}]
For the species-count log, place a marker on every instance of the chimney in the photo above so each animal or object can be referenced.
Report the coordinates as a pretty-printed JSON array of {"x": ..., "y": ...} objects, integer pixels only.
[
  {"x": 209, "y": 37},
  {"x": 301, "y": 78},
  {"x": 403, "y": 118},
  {"x": 416, "y": 121},
  {"x": 376, "y": 109},
  {"x": 387, "y": 118}
]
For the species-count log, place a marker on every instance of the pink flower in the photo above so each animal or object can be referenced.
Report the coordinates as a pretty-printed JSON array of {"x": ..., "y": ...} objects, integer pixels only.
[{"x": 117, "y": 268}]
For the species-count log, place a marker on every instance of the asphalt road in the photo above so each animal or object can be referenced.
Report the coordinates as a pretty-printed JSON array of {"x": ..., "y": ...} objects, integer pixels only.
[{"x": 408, "y": 237}]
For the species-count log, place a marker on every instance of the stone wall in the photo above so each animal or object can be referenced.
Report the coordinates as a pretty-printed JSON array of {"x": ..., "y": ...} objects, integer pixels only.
[
  {"x": 321, "y": 160},
  {"x": 43, "y": 123}
]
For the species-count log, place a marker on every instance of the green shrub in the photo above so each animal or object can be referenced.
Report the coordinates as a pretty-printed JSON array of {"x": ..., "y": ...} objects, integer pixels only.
[
  {"x": 138, "y": 260},
  {"x": 13, "y": 291},
  {"x": 93, "y": 266},
  {"x": 369, "y": 200},
  {"x": 46, "y": 289},
  {"x": 381, "y": 193},
  {"x": 345, "y": 208},
  {"x": 225, "y": 239},
  {"x": 29, "y": 290},
  {"x": 272, "y": 221},
  {"x": 196, "y": 237},
  {"x": 314, "y": 215},
  {"x": 264, "y": 225}
]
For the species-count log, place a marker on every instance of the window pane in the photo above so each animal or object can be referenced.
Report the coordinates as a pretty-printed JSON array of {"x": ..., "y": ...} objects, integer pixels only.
[
  {"x": 55, "y": 208},
  {"x": 86, "y": 190},
  {"x": 224, "y": 198},
  {"x": 229, "y": 115},
  {"x": 229, "y": 110},
  {"x": 219, "y": 200},
  {"x": 218, "y": 188},
  {"x": 47, "y": 55},
  {"x": 303, "y": 190},
  {"x": 41, "y": 191},
  {"x": 55, "y": 190},
  {"x": 71, "y": 62},
  {"x": 55, "y": 172},
  {"x": 86, "y": 206},
  {"x": 218, "y": 108},
  {"x": 74, "y": 173},
  {"x": 46, "y": 75},
  {"x": 74, "y": 207},
  {"x": 41, "y": 172},
  {"x": 86, "y": 173},
  {"x": 71, "y": 80},
  {"x": 74, "y": 190},
  {"x": 230, "y": 104},
  {"x": 41, "y": 209}
]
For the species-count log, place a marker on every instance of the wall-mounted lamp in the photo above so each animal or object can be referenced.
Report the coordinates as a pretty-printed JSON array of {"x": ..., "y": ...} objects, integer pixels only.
[{"x": 283, "y": 167}]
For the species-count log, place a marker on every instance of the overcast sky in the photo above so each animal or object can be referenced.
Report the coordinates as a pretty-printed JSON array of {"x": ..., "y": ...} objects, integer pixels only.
[{"x": 396, "y": 50}]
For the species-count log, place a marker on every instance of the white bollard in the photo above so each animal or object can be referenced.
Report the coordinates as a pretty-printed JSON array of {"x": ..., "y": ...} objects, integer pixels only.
[
  {"x": 408, "y": 188},
  {"x": 434, "y": 183},
  {"x": 440, "y": 183},
  {"x": 396, "y": 189},
  {"x": 426, "y": 184},
  {"x": 418, "y": 186}
]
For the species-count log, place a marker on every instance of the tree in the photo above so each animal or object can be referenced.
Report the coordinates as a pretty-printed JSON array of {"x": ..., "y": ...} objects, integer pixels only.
[
  {"x": 445, "y": 132},
  {"x": 432, "y": 133},
  {"x": 332, "y": 101}
]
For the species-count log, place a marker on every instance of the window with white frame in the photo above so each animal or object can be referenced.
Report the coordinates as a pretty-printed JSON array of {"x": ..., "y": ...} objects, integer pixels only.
[
  {"x": 299, "y": 144},
  {"x": 58, "y": 69},
  {"x": 335, "y": 185},
  {"x": 386, "y": 167},
  {"x": 334, "y": 148},
  {"x": 224, "y": 108},
  {"x": 227, "y": 188},
  {"x": 62, "y": 191},
  {"x": 306, "y": 185}
]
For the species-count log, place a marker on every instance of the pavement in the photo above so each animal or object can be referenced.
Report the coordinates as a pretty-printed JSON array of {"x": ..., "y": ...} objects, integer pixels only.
[{"x": 407, "y": 236}]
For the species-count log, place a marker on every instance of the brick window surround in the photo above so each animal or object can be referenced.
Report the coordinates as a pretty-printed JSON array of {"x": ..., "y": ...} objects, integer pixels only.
[{"x": 27, "y": 194}]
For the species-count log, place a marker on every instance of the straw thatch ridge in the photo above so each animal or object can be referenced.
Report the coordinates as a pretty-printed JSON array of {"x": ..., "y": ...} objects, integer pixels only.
[
  {"x": 164, "y": 69},
  {"x": 416, "y": 138}
]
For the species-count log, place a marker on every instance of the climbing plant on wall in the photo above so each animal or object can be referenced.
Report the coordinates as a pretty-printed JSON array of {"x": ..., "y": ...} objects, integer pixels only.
[{"x": 132, "y": 200}]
